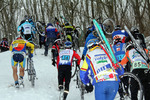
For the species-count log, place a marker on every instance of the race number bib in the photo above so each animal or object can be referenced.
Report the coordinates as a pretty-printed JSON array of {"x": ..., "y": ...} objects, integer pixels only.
[
  {"x": 65, "y": 57},
  {"x": 27, "y": 30},
  {"x": 137, "y": 64}
]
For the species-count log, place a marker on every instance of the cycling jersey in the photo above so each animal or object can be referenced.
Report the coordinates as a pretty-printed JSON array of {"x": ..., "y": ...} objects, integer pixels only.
[
  {"x": 119, "y": 51},
  {"x": 18, "y": 48},
  {"x": 104, "y": 77},
  {"x": 136, "y": 60},
  {"x": 26, "y": 28},
  {"x": 66, "y": 57},
  {"x": 100, "y": 66}
]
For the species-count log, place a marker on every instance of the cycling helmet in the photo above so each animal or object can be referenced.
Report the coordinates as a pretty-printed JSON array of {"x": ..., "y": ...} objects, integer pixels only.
[
  {"x": 117, "y": 27},
  {"x": 92, "y": 43},
  {"x": 134, "y": 29},
  {"x": 67, "y": 24},
  {"x": 49, "y": 24},
  {"x": 68, "y": 44},
  {"x": 57, "y": 41},
  {"x": 25, "y": 17}
]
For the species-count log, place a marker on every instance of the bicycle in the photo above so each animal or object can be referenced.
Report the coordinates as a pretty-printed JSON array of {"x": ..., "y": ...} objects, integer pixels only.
[
  {"x": 31, "y": 71},
  {"x": 126, "y": 88},
  {"x": 80, "y": 85}
]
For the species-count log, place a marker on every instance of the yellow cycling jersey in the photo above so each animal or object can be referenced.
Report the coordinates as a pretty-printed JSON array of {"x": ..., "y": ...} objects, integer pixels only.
[{"x": 20, "y": 45}]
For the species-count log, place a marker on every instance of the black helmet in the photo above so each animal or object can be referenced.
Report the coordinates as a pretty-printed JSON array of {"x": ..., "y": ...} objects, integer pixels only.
[
  {"x": 134, "y": 29},
  {"x": 66, "y": 24},
  {"x": 117, "y": 27},
  {"x": 26, "y": 17}
]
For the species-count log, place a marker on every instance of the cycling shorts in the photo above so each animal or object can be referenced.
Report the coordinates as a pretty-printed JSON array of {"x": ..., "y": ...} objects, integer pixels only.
[{"x": 18, "y": 59}]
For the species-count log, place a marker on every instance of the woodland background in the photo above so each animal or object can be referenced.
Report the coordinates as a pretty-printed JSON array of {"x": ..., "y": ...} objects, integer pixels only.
[{"x": 78, "y": 12}]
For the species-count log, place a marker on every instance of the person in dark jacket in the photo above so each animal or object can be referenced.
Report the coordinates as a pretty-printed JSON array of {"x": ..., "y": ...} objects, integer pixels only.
[
  {"x": 51, "y": 35},
  {"x": 4, "y": 45}
]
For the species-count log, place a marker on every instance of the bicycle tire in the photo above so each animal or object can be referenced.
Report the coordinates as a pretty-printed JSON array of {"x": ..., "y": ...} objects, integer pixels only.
[
  {"x": 127, "y": 91},
  {"x": 28, "y": 68},
  {"x": 80, "y": 85},
  {"x": 74, "y": 69},
  {"x": 109, "y": 26},
  {"x": 32, "y": 74},
  {"x": 38, "y": 26}
]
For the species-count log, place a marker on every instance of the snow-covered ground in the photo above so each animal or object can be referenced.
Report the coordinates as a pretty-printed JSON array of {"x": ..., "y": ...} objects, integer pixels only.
[{"x": 45, "y": 86}]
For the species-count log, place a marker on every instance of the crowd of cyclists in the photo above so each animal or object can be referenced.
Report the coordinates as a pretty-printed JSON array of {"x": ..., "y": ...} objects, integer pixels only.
[{"x": 96, "y": 61}]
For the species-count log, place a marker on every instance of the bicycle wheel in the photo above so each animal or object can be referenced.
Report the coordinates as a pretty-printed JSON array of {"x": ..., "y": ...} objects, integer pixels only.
[
  {"x": 33, "y": 74},
  {"x": 74, "y": 68},
  {"x": 108, "y": 26},
  {"x": 40, "y": 28},
  {"x": 28, "y": 69},
  {"x": 80, "y": 85},
  {"x": 129, "y": 78}
]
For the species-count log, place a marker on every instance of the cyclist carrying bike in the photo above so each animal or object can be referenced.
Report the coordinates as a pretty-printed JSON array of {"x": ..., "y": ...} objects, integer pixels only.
[
  {"x": 102, "y": 71},
  {"x": 119, "y": 51},
  {"x": 64, "y": 66},
  {"x": 26, "y": 30},
  {"x": 18, "y": 48},
  {"x": 51, "y": 35},
  {"x": 139, "y": 67}
]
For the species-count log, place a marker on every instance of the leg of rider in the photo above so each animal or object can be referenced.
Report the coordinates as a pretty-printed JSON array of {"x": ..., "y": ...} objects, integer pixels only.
[
  {"x": 46, "y": 46},
  {"x": 112, "y": 90},
  {"x": 67, "y": 80},
  {"x": 145, "y": 83},
  {"x": 60, "y": 77},
  {"x": 22, "y": 66},
  {"x": 134, "y": 87},
  {"x": 21, "y": 72},
  {"x": 15, "y": 76},
  {"x": 120, "y": 90},
  {"x": 147, "y": 86},
  {"x": 14, "y": 67}
]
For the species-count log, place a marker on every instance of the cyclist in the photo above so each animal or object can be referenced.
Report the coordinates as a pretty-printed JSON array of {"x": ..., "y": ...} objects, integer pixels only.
[
  {"x": 18, "y": 48},
  {"x": 4, "y": 45},
  {"x": 104, "y": 76},
  {"x": 71, "y": 33},
  {"x": 138, "y": 36},
  {"x": 55, "y": 51},
  {"x": 118, "y": 33},
  {"x": 139, "y": 67},
  {"x": 64, "y": 66},
  {"x": 26, "y": 30},
  {"x": 119, "y": 51},
  {"x": 51, "y": 35}
]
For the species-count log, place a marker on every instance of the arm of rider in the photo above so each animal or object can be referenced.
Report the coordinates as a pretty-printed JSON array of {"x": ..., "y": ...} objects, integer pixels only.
[{"x": 53, "y": 62}]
